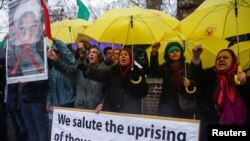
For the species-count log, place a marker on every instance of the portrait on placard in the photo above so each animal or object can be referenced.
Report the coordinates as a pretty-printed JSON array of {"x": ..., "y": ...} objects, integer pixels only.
[{"x": 26, "y": 49}]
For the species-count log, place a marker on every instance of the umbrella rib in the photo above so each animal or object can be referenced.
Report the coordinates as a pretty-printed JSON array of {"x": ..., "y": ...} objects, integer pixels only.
[
  {"x": 109, "y": 25},
  {"x": 161, "y": 19},
  {"x": 70, "y": 31},
  {"x": 198, "y": 24},
  {"x": 230, "y": 8},
  {"x": 143, "y": 21},
  {"x": 205, "y": 15}
]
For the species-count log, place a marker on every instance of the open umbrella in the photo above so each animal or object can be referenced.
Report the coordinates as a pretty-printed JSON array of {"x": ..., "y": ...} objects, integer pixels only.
[
  {"x": 82, "y": 36},
  {"x": 168, "y": 19},
  {"x": 67, "y": 30},
  {"x": 128, "y": 26},
  {"x": 244, "y": 52},
  {"x": 211, "y": 46},
  {"x": 217, "y": 18}
]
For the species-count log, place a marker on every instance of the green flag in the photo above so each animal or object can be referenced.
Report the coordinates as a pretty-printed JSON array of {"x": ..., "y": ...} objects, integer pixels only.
[
  {"x": 2, "y": 43},
  {"x": 83, "y": 12}
]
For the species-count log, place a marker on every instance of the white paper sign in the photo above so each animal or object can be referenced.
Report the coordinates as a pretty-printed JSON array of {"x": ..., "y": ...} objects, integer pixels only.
[{"x": 83, "y": 125}]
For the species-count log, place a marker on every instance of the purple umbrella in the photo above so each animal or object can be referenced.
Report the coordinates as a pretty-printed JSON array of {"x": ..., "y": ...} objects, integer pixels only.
[{"x": 103, "y": 45}]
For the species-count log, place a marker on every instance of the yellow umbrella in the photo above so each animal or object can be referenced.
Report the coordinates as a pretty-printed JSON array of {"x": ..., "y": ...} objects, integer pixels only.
[
  {"x": 67, "y": 30},
  {"x": 211, "y": 46},
  {"x": 244, "y": 52},
  {"x": 82, "y": 36},
  {"x": 168, "y": 19},
  {"x": 128, "y": 26},
  {"x": 217, "y": 18}
]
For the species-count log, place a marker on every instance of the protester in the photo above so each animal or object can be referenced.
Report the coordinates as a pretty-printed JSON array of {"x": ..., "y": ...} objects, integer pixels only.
[
  {"x": 108, "y": 52},
  {"x": 221, "y": 99},
  {"x": 33, "y": 109},
  {"x": 62, "y": 88},
  {"x": 89, "y": 93},
  {"x": 125, "y": 84},
  {"x": 82, "y": 49},
  {"x": 13, "y": 108},
  {"x": 140, "y": 57},
  {"x": 115, "y": 56},
  {"x": 177, "y": 77},
  {"x": 223, "y": 104},
  {"x": 247, "y": 97},
  {"x": 3, "y": 126}
]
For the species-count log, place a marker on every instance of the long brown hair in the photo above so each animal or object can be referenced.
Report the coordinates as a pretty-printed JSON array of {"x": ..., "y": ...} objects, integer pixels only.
[{"x": 125, "y": 69}]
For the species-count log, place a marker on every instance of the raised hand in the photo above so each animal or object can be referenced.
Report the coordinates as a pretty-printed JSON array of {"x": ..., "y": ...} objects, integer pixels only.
[
  {"x": 155, "y": 47},
  {"x": 242, "y": 77},
  {"x": 6, "y": 36},
  {"x": 52, "y": 55},
  {"x": 196, "y": 50}
]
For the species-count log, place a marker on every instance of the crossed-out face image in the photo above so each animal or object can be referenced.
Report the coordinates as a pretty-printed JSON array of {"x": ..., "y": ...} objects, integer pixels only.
[{"x": 26, "y": 44}]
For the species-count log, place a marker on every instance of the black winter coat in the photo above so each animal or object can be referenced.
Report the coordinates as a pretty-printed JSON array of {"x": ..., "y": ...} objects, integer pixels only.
[
  {"x": 121, "y": 95},
  {"x": 34, "y": 91},
  {"x": 206, "y": 79},
  {"x": 169, "y": 105}
]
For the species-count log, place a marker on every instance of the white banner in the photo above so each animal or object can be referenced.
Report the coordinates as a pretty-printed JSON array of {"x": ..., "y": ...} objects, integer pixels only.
[{"x": 83, "y": 125}]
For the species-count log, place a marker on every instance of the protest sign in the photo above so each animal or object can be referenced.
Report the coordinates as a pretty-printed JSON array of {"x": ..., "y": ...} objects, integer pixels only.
[
  {"x": 26, "y": 50},
  {"x": 83, "y": 125}
]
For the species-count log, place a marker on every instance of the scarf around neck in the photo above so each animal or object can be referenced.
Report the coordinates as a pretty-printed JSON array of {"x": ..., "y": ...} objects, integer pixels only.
[
  {"x": 176, "y": 77},
  {"x": 226, "y": 86},
  {"x": 229, "y": 105}
]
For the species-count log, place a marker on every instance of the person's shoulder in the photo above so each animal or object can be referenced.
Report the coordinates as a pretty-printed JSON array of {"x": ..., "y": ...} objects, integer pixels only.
[{"x": 163, "y": 65}]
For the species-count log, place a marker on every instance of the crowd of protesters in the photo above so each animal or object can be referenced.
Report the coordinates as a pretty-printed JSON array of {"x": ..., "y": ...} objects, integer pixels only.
[{"x": 110, "y": 80}]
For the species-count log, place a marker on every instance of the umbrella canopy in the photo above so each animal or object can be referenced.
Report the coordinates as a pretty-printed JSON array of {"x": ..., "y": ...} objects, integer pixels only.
[
  {"x": 217, "y": 18},
  {"x": 171, "y": 21},
  {"x": 103, "y": 45},
  {"x": 129, "y": 26},
  {"x": 67, "y": 30},
  {"x": 244, "y": 52},
  {"x": 82, "y": 36},
  {"x": 211, "y": 46}
]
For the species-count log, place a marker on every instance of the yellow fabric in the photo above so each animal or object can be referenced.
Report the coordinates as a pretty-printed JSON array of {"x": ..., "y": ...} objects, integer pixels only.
[
  {"x": 244, "y": 52},
  {"x": 68, "y": 30},
  {"x": 211, "y": 46},
  {"x": 216, "y": 18},
  {"x": 130, "y": 26}
]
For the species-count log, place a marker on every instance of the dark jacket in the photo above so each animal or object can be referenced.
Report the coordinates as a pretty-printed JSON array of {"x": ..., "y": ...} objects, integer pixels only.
[
  {"x": 121, "y": 95},
  {"x": 89, "y": 93},
  {"x": 35, "y": 91},
  {"x": 12, "y": 97},
  {"x": 62, "y": 88},
  {"x": 169, "y": 100},
  {"x": 206, "y": 79},
  {"x": 2, "y": 81}
]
